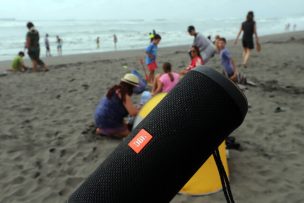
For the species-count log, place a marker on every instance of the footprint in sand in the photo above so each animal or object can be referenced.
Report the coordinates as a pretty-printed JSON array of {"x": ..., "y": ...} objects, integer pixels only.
[
  {"x": 85, "y": 86},
  {"x": 17, "y": 181},
  {"x": 62, "y": 153},
  {"x": 64, "y": 192},
  {"x": 36, "y": 175}
]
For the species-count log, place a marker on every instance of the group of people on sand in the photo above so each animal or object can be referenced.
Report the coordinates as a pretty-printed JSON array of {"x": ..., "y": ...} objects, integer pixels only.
[
  {"x": 33, "y": 50},
  {"x": 59, "y": 43},
  {"x": 32, "y": 46},
  {"x": 115, "y": 40},
  {"x": 117, "y": 103}
]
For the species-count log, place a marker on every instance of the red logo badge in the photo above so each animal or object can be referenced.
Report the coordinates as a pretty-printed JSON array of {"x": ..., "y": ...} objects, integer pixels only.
[{"x": 140, "y": 141}]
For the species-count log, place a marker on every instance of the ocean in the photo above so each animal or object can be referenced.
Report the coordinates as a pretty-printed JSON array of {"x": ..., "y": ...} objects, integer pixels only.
[{"x": 79, "y": 36}]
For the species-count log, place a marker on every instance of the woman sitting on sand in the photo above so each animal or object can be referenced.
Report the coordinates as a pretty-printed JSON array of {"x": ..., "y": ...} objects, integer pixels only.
[
  {"x": 165, "y": 82},
  {"x": 196, "y": 60},
  {"x": 114, "y": 107}
]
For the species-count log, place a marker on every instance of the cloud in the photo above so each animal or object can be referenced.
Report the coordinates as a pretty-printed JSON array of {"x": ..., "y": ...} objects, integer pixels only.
[{"x": 114, "y": 9}]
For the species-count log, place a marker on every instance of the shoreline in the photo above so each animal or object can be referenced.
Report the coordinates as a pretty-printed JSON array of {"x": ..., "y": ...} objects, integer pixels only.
[{"x": 137, "y": 53}]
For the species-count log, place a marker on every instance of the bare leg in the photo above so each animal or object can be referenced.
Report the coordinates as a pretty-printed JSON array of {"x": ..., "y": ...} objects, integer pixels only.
[
  {"x": 155, "y": 83},
  {"x": 122, "y": 134},
  {"x": 246, "y": 57},
  {"x": 151, "y": 76},
  {"x": 244, "y": 53},
  {"x": 42, "y": 64},
  {"x": 34, "y": 62}
]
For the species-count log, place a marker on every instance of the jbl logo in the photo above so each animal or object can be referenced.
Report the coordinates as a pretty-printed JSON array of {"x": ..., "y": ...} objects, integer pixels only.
[{"x": 140, "y": 141}]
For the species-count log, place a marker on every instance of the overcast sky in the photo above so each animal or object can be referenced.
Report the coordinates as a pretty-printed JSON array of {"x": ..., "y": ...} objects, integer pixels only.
[{"x": 143, "y": 9}]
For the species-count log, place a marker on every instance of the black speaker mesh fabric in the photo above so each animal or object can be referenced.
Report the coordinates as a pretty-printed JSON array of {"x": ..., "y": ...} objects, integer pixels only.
[{"x": 187, "y": 126}]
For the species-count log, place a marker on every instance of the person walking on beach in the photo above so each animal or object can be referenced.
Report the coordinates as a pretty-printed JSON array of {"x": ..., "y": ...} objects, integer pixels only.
[
  {"x": 98, "y": 42},
  {"x": 59, "y": 45},
  {"x": 151, "y": 55},
  {"x": 115, "y": 106},
  {"x": 33, "y": 47},
  {"x": 249, "y": 29},
  {"x": 115, "y": 40},
  {"x": 47, "y": 45},
  {"x": 206, "y": 47}
]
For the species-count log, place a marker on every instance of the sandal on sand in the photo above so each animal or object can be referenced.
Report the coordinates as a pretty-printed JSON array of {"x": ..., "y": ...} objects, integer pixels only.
[{"x": 232, "y": 144}]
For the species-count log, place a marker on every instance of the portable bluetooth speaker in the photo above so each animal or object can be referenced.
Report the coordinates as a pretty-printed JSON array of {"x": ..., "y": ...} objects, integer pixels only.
[{"x": 163, "y": 152}]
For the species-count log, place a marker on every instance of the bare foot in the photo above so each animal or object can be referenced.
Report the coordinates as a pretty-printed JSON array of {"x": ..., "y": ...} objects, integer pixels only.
[{"x": 98, "y": 131}]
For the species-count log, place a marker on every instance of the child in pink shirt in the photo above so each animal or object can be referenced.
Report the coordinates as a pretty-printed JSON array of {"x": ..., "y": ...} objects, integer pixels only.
[{"x": 167, "y": 81}]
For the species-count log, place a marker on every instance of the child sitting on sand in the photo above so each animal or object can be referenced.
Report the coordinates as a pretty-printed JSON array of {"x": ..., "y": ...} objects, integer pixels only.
[
  {"x": 151, "y": 55},
  {"x": 230, "y": 69},
  {"x": 114, "y": 107},
  {"x": 165, "y": 82},
  {"x": 18, "y": 63},
  {"x": 196, "y": 60}
]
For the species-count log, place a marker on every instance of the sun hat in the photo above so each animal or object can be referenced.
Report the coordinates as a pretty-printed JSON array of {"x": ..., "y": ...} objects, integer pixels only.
[{"x": 130, "y": 79}]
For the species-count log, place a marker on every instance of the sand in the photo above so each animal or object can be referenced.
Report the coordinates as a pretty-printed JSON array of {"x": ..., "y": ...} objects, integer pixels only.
[{"x": 47, "y": 148}]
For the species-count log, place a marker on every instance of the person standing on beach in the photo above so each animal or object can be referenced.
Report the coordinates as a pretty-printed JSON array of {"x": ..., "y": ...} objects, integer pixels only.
[
  {"x": 151, "y": 55},
  {"x": 207, "y": 49},
  {"x": 47, "y": 45},
  {"x": 249, "y": 29},
  {"x": 33, "y": 47},
  {"x": 115, "y": 106},
  {"x": 115, "y": 40},
  {"x": 98, "y": 42},
  {"x": 59, "y": 45}
]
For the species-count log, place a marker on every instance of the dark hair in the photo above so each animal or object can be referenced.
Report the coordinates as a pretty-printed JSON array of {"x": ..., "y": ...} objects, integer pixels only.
[
  {"x": 223, "y": 39},
  {"x": 157, "y": 36},
  {"x": 191, "y": 28},
  {"x": 21, "y": 53},
  {"x": 250, "y": 16},
  {"x": 167, "y": 67},
  {"x": 124, "y": 89},
  {"x": 197, "y": 50},
  {"x": 29, "y": 25}
]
